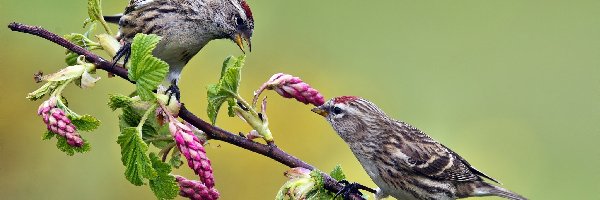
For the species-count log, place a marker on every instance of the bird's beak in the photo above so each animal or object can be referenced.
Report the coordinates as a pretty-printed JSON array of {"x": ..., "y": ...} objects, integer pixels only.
[
  {"x": 320, "y": 111},
  {"x": 239, "y": 39}
]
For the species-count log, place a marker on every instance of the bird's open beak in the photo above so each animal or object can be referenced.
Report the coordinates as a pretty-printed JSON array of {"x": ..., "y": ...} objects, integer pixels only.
[
  {"x": 320, "y": 111},
  {"x": 239, "y": 39}
]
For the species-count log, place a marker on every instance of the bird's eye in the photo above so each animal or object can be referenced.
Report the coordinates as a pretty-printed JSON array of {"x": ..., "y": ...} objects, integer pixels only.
[
  {"x": 337, "y": 110},
  {"x": 239, "y": 20}
]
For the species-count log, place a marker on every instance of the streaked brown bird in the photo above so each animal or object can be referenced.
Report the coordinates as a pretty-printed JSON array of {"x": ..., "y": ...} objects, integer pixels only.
[
  {"x": 404, "y": 162},
  {"x": 185, "y": 26}
]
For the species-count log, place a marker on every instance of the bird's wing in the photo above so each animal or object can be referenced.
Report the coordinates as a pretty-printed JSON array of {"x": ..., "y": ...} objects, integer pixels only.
[{"x": 432, "y": 159}]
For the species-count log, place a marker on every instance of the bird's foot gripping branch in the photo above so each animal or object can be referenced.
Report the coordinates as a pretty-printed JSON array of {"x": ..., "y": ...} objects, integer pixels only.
[{"x": 150, "y": 119}]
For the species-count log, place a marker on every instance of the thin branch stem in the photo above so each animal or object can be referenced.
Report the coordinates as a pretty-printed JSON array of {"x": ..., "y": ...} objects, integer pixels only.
[{"x": 214, "y": 132}]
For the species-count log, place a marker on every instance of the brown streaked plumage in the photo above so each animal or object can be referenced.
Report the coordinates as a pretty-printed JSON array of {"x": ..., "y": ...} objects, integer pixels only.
[
  {"x": 185, "y": 26},
  {"x": 402, "y": 160}
]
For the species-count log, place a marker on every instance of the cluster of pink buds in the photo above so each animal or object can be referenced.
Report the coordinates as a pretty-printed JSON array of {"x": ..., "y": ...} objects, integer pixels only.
[
  {"x": 59, "y": 123},
  {"x": 290, "y": 86},
  {"x": 195, "y": 190},
  {"x": 191, "y": 147}
]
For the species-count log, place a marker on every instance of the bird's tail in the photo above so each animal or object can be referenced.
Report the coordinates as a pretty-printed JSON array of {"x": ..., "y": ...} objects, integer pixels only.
[
  {"x": 113, "y": 19},
  {"x": 486, "y": 189}
]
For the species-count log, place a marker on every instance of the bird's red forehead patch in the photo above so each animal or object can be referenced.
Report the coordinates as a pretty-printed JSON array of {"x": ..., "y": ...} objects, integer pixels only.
[
  {"x": 344, "y": 99},
  {"x": 247, "y": 10}
]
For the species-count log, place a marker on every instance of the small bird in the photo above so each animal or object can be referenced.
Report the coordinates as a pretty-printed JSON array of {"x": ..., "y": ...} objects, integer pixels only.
[
  {"x": 185, "y": 26},
  {"x": 403, "y": 161}
]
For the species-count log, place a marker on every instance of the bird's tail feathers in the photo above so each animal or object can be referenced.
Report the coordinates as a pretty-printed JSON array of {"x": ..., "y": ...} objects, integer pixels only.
[
  {"x": 113, "y": 19},
  {"x": 492, "y": 190}
]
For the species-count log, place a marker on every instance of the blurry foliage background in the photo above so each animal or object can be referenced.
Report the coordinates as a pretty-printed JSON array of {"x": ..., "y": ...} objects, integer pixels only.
[{"x": 510, "y": 85}]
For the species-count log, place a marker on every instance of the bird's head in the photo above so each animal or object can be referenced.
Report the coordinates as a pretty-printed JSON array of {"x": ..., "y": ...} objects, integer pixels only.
[
  {"x": 236, "y": 22},
  {"x": 351, "y": 116}
]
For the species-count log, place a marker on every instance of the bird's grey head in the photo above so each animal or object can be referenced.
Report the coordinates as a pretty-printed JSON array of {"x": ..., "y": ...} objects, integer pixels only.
[
  {"x": 351, "y": 116},
  {"x": 234, "y": 20}
]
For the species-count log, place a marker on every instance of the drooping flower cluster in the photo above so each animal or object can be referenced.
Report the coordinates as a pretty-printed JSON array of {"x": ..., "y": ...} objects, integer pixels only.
[
  {"x": 290, "y": 86},
  {"x": 191, "y": 147},
  {"x": 195, "y": 190},
  {"x": 57, "y": 122}
]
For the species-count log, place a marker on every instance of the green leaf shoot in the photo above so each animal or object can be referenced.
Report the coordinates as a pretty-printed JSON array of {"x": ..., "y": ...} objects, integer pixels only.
[
  {"x": 337, "y": 173},
  {"x": 227, "y": 87}
]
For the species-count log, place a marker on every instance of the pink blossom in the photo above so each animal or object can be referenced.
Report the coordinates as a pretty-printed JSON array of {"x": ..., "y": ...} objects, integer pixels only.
[
  {"x": 290, "y": 86},
  {"x": 57, "y": 122},
  {"x": 191, "y": 147},
  {"x": 195, "y": 190}
]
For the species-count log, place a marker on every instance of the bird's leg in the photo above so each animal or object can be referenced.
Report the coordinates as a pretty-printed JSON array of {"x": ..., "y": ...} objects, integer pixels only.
[
  {"x": 123, "y": 52},
  {"x": 350, "y": 188},
  {"x": 173, "y": 90}
]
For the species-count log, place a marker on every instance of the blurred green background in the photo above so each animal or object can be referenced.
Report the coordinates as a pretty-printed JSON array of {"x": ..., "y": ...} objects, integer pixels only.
[{"x": 510, "y": 85}]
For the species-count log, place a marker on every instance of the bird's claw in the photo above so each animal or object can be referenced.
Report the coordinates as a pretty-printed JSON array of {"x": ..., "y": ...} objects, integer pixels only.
[
  {"x": 123, "y": 52},
  {"x": 173, "y": 90},
  {"x": 350, "y": 188}
]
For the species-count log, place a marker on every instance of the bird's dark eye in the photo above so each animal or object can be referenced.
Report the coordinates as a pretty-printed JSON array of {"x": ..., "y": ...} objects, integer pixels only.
[
  {"x": 239, "y": 20},
  {"x": 337, "y": 110}
]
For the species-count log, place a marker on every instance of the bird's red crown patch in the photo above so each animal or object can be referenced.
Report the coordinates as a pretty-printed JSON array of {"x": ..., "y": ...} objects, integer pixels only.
[
  {"x": 247, "y": 10},
  {"x": 344, "y": 99}
]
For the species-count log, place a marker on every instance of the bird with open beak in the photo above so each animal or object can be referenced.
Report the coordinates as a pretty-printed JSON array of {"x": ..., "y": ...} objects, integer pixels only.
[{"x": 185, "y": 26}]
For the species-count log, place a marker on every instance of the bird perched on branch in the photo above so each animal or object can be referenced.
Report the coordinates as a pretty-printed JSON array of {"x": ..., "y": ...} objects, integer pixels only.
[
  {"x": 402, "y": 160},
  {"x": 185, "y": 26}
]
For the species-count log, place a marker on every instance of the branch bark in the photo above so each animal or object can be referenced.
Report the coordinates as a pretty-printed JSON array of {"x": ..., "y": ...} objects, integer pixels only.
[{"x": 213, "y": 132}]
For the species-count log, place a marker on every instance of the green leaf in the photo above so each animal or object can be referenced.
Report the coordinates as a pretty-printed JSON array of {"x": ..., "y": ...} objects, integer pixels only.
[
  {"x": 231, "y": 74},
  {"x": 85, "y": 122},
  {"x": 133, "y": 155},
  {"x": 62, "y": 144},
  {"x": 164, "y": 185},
  {"x": 175, "y": 160},
  {"x": 215, "y": 100},
  {"x": 48, "y": 135},
  {"x": 82, "y": 41},
  {"x": 227, "y": 87},
  {"x": 337, "y": 173},
  {"x": 116, "y": 101},
  {"x": 146, "y": 70}
]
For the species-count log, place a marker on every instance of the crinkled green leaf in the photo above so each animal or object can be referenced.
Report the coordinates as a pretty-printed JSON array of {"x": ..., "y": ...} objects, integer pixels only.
[
  {"x": 337, "y": 173},
  {"x": 133, "y": 155},
  {"x": 116, "y": 101},
  {"x": 42, "y": 91},
  {"x": 164, "y": 185},
  {"x": 226, "y": 88},
  {"x": 146, "y": 70},
  {"x": 85, "y": 122},
  {"x": 62, "y": 144},
  {"x": 175, "y": 160}
]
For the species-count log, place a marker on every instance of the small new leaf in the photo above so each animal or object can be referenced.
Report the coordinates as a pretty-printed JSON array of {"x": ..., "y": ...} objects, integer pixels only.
[
  {"x": 337, "y": 173},
  {"x": 85, "y": 122},
  {"x": 116, "y": 101},
  {"x": 164, "y": 185},
  {"x": 62, "y": 144},
  {"x": 133, "y": 155},
  {"x": 146, "y": 70},
  {"x": 95, "y": 14},
  {"x": 226, "y": 88}
]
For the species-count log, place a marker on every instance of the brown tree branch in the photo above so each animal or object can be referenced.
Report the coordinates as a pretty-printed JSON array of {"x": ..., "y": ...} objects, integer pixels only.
[{"x": 213, "y": 132}]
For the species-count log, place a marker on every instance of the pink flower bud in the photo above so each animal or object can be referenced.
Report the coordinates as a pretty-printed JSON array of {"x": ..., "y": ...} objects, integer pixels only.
[
  {"x": 195, "y": 190},
  {"x": 289, "y": 86},
  {"x": 57, "y": 122},
  {"x": 191, "y": 147}
]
